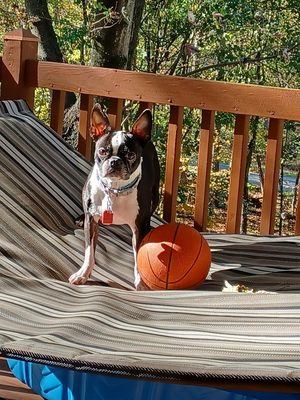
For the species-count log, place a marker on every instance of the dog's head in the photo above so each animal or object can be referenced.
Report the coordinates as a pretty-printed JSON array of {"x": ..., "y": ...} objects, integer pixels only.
[{"x": 118, "y": 153}]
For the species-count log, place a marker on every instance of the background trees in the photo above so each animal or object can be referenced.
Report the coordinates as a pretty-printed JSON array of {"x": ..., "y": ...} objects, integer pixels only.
[{"x": 249, "y": 42}]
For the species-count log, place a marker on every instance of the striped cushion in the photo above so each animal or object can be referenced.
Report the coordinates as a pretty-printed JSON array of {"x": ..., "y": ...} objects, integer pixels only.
[{"x": 184, "y": 336}]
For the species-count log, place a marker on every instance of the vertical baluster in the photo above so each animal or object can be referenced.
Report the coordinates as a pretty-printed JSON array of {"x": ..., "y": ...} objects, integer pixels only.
[
  {"x": 144, "y": 105},
  {"x": 115, "y": 109},
  {"x": 84, "y": 139},
  {"x": 172, "y": 163},
  {"x": 297, "y": 223},
  {"x": 204, "y": 168},
  {"x": 274, "y": 145},
  {"x": 57, "y": 111},
  {"x": 237, "y": 174}
]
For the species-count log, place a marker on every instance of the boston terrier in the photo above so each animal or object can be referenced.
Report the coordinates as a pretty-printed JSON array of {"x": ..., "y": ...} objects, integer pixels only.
[{"x": 122, "y": 187}]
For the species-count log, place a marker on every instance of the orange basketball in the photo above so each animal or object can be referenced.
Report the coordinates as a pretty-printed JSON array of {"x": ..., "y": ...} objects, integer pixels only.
[{"x": 173, "y": 256}]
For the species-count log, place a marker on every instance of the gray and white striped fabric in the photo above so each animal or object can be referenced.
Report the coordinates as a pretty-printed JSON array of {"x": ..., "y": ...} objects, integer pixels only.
[{"x": 183, "y": 336}]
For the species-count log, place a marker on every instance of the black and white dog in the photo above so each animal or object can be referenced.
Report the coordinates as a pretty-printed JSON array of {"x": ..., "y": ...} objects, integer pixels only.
[{"x": 122, "y": 187}]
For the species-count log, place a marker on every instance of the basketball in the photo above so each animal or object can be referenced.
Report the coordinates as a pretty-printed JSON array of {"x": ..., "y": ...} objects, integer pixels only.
[{"x": 173, "y": 256}]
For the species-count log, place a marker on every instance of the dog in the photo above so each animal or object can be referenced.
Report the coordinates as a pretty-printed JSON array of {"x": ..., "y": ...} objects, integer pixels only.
[{"x": 122, "y": 187}]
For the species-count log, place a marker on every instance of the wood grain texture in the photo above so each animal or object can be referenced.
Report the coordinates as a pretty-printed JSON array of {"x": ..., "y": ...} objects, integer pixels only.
[
  {"x": 84, "y": 139},
  {"x": 204, "y": 169},
  {"x": 187, "y": 92},
  {"x": 144, "y": 105},
  {"x": 172, "y": 163},
  {"x": 115, "y": 110},
  {"x": 19, "y": 46},
  {"x": 274, "y": 145},
  {"x": 57, "y": 111},
  {"x": 297, "y": 222},
  {"x": 237, "y": 174},
  {"x": 11, "y": 388}
]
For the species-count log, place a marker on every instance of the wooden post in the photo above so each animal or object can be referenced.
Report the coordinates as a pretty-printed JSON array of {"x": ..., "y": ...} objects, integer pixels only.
[
  {"x": 84, "y": 139},
  {"x": 297, "y": 222},
  {"x": 273, "y": 155},
  {"x": 115, "y": 109},
  {"x": 19, "y": 46},
  {"x": 237, "y": 174},
  {"x": 204, "y": 168},
  {"x": 144, "y": 105},
  {"x": 57, "y": 111},
  {"x": 172, "y": 163}
]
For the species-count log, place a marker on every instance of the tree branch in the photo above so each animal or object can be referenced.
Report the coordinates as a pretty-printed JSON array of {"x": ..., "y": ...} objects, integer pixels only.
[{"x": 242, "y": 61}]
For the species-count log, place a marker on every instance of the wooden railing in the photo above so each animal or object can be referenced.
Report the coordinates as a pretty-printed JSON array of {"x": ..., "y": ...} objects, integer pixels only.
[{"x": 21, "y": 73}]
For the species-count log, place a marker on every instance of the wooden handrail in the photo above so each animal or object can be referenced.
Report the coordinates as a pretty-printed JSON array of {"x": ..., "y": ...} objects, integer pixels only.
[{"x": 233, "y": 98}]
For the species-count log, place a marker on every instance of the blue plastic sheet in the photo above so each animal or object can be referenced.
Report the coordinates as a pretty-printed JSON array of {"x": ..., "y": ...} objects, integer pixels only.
[{"x": 54, "y": 383}]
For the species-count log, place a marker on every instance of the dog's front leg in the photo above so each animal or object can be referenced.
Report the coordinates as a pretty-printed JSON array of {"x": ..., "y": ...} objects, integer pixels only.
[
  {"x": 139, "y": 231},
  {"x": 91, "y": 234},
  {"x": 136, "y": 241}
]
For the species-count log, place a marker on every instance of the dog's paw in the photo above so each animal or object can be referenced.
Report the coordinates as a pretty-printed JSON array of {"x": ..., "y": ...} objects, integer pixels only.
[
  {"x": 137, "y": 279},
  {"x": 79, "y": 278}
]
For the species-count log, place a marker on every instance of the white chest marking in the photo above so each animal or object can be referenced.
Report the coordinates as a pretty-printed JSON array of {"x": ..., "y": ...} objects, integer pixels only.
[{"x": 125, "y": 208}]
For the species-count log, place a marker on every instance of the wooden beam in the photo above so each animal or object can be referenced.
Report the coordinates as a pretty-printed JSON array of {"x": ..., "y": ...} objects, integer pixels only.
[
  {"x": 11, "y": 388},
  {"x": 274, "y": 145},
  {"x": 172, "y": 163},
  {"x": 297, "y": 222},
  {"x": 228, "y": 97},
  {"x": 204, "y": 169},
  {"x": 19, "y": 46},
  {"x": 115, "y": 110},
  {"x": 84, "y": 139},
  {"x": 144, "y": 105},
  {"x": 237, "y": 174},
  {"x": 57, "y": 111}
]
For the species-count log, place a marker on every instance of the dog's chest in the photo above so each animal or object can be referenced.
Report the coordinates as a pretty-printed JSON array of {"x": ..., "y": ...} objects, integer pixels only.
[{"x": 125, "y": 206}]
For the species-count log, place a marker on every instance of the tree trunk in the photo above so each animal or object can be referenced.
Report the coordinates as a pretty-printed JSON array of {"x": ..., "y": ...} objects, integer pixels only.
[
  {"x": 49, "y": 50},
  {"x": 115, "y": 33},
  {"x": 38, "y": 13},
  {"x": 114, "y": 40}
]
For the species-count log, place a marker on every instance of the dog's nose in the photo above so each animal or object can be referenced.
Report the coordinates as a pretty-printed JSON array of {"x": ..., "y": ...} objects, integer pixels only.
[{"x": 115, "y": 162}]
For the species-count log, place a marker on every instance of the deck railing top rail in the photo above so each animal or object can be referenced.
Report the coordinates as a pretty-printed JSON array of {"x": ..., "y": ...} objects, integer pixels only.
[{"x": 233, "y": 98}]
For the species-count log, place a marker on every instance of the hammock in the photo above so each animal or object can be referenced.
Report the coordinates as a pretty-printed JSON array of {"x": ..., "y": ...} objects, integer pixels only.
[{"x": 105, "y": 327}]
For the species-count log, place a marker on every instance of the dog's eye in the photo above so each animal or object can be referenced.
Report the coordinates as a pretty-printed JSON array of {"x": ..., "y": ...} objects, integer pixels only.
[
  {"x": 103, "y": 152},
  {"x": 130, "y": 156}
]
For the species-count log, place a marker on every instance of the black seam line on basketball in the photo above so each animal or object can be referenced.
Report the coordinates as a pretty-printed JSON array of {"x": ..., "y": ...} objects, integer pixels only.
[
  {"x": 169, "y": 263},
  {"x": 199, "y": 251}
]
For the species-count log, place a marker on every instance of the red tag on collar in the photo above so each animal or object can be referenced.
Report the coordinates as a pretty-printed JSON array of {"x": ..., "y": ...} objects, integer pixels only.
[{"x": 107, "y": 217}]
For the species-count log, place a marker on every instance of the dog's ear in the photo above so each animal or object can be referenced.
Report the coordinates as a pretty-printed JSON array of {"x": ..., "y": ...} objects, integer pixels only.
[
  {"x": 143, "y": 126},
  {"x": 99, "y": 122}
]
